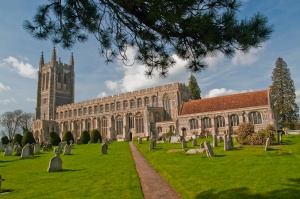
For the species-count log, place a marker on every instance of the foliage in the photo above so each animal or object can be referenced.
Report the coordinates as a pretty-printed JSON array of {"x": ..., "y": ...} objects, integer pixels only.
[
  {"x": 194, "y": 87},
  {"x": 95, "y": 136},
  {"x": 156, "y": 29},
  {"x": 5, "y": 140},
  {"x": 245, "y": 130},
  {"x": 18, "y": 138},
  {"x": 54, "y": 139},
  {"x": 68, "y": 136},
  {"x": 26, "y": 121},
  {"x": 170, "y": 134},
  {"x": 10, "y": 121},
  {"x": 283, "y": 94},
  {"x": 135, "y": 138},
  {"x": 84, "y": 137},
  {"x": 28, "y": 138}
]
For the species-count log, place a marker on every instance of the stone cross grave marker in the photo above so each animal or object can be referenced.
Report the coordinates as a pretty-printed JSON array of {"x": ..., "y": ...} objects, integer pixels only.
[{"x": 55, "y": 163}]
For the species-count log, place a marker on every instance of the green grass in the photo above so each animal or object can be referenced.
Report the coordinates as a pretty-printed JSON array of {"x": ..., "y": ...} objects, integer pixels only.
[
  {"x": 244, "y": 172},
  {"x": 86, "y": 174}
]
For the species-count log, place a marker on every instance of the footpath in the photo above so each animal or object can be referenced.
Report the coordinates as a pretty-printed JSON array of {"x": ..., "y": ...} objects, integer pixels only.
[{"x": 153, "y": 185}]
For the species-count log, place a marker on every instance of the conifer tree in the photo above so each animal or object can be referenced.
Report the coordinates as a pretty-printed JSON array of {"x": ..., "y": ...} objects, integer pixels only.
[
  {"x": 283, "y": 93},
  {"x": 193, "y": 85}
]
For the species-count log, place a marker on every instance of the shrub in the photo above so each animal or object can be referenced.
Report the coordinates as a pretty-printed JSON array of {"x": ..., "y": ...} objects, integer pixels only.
[
  {"x": 95, "y": 136},
  {"x": 18, "y": 139},
  {"x": 68, "y": 136},
  {"x": 244, "y": 132},
  {"x": 84, "y": 137},
  {"x": 54, "y": 139},
  {"x": 135, "y": 138},
  {"x": 169, "y": 134},
  {"x": 28, "y": 138},
  {"x": 4, "y": 140}
]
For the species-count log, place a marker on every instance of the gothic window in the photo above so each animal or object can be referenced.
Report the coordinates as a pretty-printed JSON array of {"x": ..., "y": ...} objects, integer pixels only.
[
  {"x": 47, "y": 80},
  {"x": 167, "y": 107},
  {"x": 70, "y": 113},
  {"x": 172, "y": 128},
  {"x": 95, "y": 109},
  {"x": 139, "y": 102},
  {"x": 75, "y": 112},
  {"x": 65, "y": 79},
  {"x": 194, "y": 124},
  {"x": 154, "y": 101},
  {"x": 125, "y": 104},
  {"x": 79, "y": 112},
  {"x": 255, "y": 118},
  {"x": 159, "y": 129},
  {"x": 157, "y": 117},
  {"x": 118, "y": 105},
  {"x": 106, "y": 107},
  {"x": 84, "y": 111},
  {"x": 112, "y": 106},
  {"x": 244, "y": 117},
  {"x": 66, "y": 114},
  {"x": 131, "y": 121},
  {"x": 234, "y": 120},
  {"x": 101, "y": 108},
  {"x": 132, "y": 103},
  {"x": 206, "y": 123},
  {"x": 90, "y": 110},
  {"x": 146, "y": 101},
  {"x": 44, "y": 80},
  {"x": 119, "y": 125},
  {"x": 59, "y": 78},
  {"x": 139, "y": 123},
  {"x": 220, "y": 121},
  {"x": 103, "y": 124}
]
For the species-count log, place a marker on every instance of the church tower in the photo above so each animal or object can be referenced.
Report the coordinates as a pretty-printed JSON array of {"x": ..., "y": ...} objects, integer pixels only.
[{"x": 55, "y": 87}]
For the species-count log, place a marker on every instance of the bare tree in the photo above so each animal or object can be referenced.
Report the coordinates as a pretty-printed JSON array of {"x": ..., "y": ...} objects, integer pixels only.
[
  {"x": 26, "y": 121},
  {"x": 10, "y": 121}
]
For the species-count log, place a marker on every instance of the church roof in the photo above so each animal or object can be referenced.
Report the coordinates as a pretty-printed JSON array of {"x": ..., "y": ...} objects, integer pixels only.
[{"x": 242, "y": 100}]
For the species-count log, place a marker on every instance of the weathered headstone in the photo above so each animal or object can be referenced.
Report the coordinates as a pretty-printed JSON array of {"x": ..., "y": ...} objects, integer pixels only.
[
  {"x": 220, "y": 138},
  {"x": 19, "y": 151},
  {"x": 175, "y": 139},
  {"x": 104, "y": 148},
  {"x": 183, "y": 143},
  {"x": 206, "y": 134},
  {"x": 215, "y": 140},
  {"x": 1, "y": 147},
  {"x": 202, "y": 145},
  {"x": 209, "y": 151},
  {"x": 37, "y": 148},
  {"x": 195, "y": 151},
  {"x": 67, "y": 149},
  {"x": 140, "y": 140},
  {"x": 45, "y": 148},
  {"x": 154, "y": 142},
  {"x": 98, "y": 141},
  {"x": 225, "y": 143},
  {"x": 61, "y": 146},
  {"x": 26, "y": 151},
  {"x": 55, "y": 163},
  {"x": 8, "y": 150},
  {"x": 267, "y": 144},
  {"x": 31, "y": 149},
  {"x": 194, "y": 142},
  {"x": 230, "y": 143},
  {"x": 151, "y": 147}
]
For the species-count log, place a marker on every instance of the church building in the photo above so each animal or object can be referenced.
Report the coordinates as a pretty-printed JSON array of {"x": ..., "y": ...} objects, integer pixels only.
[{"x": 151, "y": 111}]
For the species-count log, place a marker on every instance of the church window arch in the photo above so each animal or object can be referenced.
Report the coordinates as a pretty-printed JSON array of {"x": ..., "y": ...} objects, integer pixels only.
[
  {"x": 119, "y": 125},
  {"x": 103, "y": 126},
  {"x": 193, "y": 124},
  {"x": 206, "y": 122},
  {"x": 139, "y": 121},
  {"x": 167, "y": 106},
  {"x": 255, "y": 117},
  {"x": 220, "y": 121},
  {"x": 234, "y": 120}
]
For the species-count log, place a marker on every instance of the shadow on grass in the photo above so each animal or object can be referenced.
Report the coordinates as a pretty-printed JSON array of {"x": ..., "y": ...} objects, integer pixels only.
[
  {"x": 245, "y": 193},
  {"x": 70, "y": 170},
  {"x": 5, "y": 191}
]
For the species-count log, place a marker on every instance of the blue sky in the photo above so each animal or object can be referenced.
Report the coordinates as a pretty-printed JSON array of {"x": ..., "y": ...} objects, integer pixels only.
[{"x": 20, "y": 54}]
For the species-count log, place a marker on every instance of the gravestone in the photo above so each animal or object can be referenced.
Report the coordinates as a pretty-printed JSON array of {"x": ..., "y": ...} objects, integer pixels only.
[
  {"x": 26, "y": 151},
  {"x": 215, "y": 140},
  {"x": 45, "y": 148},
  {"x": 230, "y": 143},
  {"x": 206, "y": 134},
  {"x": 194, "y": 142},
  {"x": 67, "y": 149},
  {"x": 154, "y": 142},
  {"x": 1, "y": 147},
  {"x": 220, "y": 138},
  {"x": 174, "y": 139},
  {"x": 209, "y": 151},
  {"x": 104, "y": 148},
  {"x": 140, "y": 140},
  {"x": 225, "y": 143},
  {"x": 16, "y": 146},
  {"x": 55, "y": 163},
  {"x": 19, "y": 151},
  {"x": 61, "y": 146},
  {"x": 31, "y": 149},
  {"x": 151, "y": 147},
  {"x": 8, "y": 150},
  {"x": 195, "y": 151},
  {"x": 183, "y": 143},
  {"x": 202, "y": 145},
  {"x": 37, "y": 148},
  {"x": 267, "y": 144}
]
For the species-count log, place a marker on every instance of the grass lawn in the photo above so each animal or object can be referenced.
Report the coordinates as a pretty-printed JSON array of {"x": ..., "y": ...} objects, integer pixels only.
[
  {"x": 244, "y": 172},
  {"x": 86, "y": 174}
]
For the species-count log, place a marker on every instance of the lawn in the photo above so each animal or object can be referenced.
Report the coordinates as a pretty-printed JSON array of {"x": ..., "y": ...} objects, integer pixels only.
[
  {"x": 86, "y": 174},
  {"x": 244, "y": 172}
]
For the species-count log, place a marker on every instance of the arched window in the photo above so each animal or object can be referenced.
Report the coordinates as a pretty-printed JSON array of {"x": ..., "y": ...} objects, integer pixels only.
[
  {"x": 59, "y": 78},
  {"x": 139, "y": 102},
  {"x": 84, "y": 111},
  {"x": 159, "y": 129},
  {"x": 79, "y": 112},
  {"x": 125, "y": 104},
  {"x": 157, "y": 117},
  {"x": 70, "y": 113},
  {"x": 106, "y": 107},
  {"x": 139, "y": 121},
  {"x": 167, "y": 107},
  {"x": 255, "y": 118},
  {"x": 234, "y": 120},
  {"x": 44, "y": 80},
  {"x": 206, "y": 123},
  {"x": 154, "y": 101},
  {"x": 132, "y": 103},
  {"x": 172, "y": 128},
  {"x": 119, "y": 125},
  {"x": 194, "y": 124},
  {"x": 118, "y": 105},
  {"x": 95, "y": 109},
  {"x": 90, "y": 110},
  {"x": 220, "y": 121},
  {"x": 112, "y": 106},
  {"x": 47, "y": 80},
  {"x": 103, "y": 124},
  {"x": 75, "y": 112},
  {"x": 131, "y": 121},
  {"x": 146, "y": 101},
  {"x": 65, "y": 79}
]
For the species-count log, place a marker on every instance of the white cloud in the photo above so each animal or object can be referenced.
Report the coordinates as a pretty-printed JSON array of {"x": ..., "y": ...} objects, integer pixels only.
[
  {"x": 100, "y": 95},
  {"x": 23, "y": 69},
  {"x": 223, "y": 91},
  {"x": 248, "y": 58},
  {"x": 111, "y": 85},
  {"x": 3, "y": 87},
  {"x": 214, "y": 61},
  {"x": 30, "y": 100},
  {"x": 8, "y": 101}
]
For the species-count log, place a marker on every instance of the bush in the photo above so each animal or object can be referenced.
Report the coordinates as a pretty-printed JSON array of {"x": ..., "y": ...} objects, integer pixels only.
[
  {"x": 170, "y": 134},
  {"x": 84, "y": 137},
  {"x": 54, "y": 139},
  {"x": 95, "y": 136},
  {"x": 135, "y": 138},
  {"x": 28, "y": 138},
  {"x": 68, "y": 136},
  {"x": 245, "y": 131},
  {"x": 18, "y": 139},
  {"x": 4, "y": 140}
]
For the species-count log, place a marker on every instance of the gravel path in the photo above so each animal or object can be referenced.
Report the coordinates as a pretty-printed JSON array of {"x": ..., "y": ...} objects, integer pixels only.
[{"x": 153, "y": 185}]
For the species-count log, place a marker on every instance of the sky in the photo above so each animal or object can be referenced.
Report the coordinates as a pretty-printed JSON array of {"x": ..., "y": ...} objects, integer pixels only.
[{"x": 20, "y": 54}]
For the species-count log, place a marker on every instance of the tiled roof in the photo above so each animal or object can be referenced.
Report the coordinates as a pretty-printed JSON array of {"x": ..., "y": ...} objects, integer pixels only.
[{"x": 242, "y": 100}]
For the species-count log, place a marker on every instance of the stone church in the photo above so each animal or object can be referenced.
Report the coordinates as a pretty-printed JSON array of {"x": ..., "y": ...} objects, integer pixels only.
[{"x": 151, "y": 111}]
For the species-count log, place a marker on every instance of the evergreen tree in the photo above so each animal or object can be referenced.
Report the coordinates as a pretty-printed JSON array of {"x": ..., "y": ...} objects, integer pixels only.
[
  {"x": 156, "y": 29},
  {"x": 195, "y": 89},
  {"x": 68, "y": 136},
  {"x": 283, "y": 93}
]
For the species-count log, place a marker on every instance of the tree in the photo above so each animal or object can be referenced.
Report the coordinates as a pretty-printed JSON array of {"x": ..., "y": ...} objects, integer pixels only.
[
  {"x": 191, "y": 29},
  {"x": 26, "y": 121},
  {"x": 5, "y": 140},
  {"x": 283, "y": 94},
  {"x": 10, "y": 121},
  {"x": 193, "y": 85},
  {"x": 95, "y": 136},
  {"x": 84, "y": 137},
  {"x": 28, "y": 138},
  {"x": 18, "y": 138},
  {"x": 54, "y": 138},
  {"x": 68, "y": 136}
]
